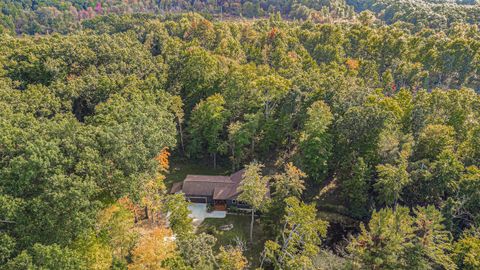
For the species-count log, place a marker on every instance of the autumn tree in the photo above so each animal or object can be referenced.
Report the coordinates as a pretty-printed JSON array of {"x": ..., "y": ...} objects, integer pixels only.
[
  {"x": 153, "y": 190},
  {"x": 116, "y": 224},
  {"x": 231, "y": 259},
  {"x": 290, "y": 183},
  {"x": 153, "y": 249}
]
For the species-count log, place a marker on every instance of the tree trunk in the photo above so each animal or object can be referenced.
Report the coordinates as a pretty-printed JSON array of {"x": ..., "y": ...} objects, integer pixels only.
[
  {"x": 214, "y": 160},
  {"x": 264, "y": 254},
  {"x": 251, "y": 225},
  {"x": 233, "y": 157},
  {"x": 181, "y": 136}
]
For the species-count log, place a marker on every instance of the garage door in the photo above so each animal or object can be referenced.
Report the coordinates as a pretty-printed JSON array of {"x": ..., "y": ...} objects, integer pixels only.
[{"x": 198, "y": 199}]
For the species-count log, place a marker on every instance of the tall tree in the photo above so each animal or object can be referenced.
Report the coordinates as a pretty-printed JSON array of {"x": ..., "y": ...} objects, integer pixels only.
[
  {"x": 271, "y": 89},
  {"x": 396, "y": 240},
  {"x": 355, "y": 188},
  {"x": 176, "y": 207},
  {"x": 206, "y": 126},
  {"x": 432, "y": 241},
  {"x": 391, "y": 181},
  {"x": 254, "y": 190},
  {"x": 315, "y": 140},
  {"x": 383, "y": 245},
  {"x": 393, "y": 178},
  {"x": 177, "y": 108},
  {"x": 300, "y": 239},
  {"x": 197, "y": 250}
]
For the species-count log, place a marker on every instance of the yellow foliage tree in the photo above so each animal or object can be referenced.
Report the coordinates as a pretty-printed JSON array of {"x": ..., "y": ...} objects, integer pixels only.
[
  {"x": 231, "y": 259},
  {"x": 152, "y": 249},
  {"x": 94, "y": 252},
  {"x": 117, "y": 223}
]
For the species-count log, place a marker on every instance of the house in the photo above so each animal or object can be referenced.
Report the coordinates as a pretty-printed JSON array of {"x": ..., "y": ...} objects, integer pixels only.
[{"x": 220, "y": 191}]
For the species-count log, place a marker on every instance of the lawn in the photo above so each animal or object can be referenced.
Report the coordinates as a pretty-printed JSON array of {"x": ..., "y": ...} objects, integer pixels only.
[
  {"x": 179, "y": 170},
  {"x": 241, "y": 230}
]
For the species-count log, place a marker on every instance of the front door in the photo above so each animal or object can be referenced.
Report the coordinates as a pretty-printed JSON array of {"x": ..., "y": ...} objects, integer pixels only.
[{"x": 220, "y": 205}]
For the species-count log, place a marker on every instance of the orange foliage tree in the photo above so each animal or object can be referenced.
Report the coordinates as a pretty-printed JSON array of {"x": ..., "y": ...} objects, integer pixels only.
[
  {"x": 153, "y": 249},
  {"x": 155, "y": 187}
]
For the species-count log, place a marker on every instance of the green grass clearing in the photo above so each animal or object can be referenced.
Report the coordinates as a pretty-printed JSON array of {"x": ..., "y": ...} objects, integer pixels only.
[{"x": 241, "y": 230}]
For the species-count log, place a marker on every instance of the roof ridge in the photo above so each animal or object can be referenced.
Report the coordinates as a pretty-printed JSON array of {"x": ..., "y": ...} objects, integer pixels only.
[
  {"x": 225, "y": 178},
  {"x": 211, "y": 182}
]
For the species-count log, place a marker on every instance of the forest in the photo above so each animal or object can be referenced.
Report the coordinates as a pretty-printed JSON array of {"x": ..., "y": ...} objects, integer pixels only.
[
  {"x": 64, "y": 16},
  {"x": 355, "y": 110}
]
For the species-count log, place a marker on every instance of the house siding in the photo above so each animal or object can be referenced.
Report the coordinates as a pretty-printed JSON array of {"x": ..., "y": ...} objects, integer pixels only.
[{"x": 209, "y": 199}]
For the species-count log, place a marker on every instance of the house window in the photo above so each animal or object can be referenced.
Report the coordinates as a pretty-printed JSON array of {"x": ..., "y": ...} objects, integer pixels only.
[{"x": 234, "y": 201}]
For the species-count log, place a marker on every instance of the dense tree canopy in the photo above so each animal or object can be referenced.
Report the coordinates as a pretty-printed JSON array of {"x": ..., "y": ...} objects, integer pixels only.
[{"x": 384, "y": 119}]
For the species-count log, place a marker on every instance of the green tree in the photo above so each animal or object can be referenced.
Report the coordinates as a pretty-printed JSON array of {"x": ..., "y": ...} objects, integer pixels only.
[
  {"x": 466, "y": 250},
  {"x": 254, "y": 190},
  {"x": 7, "y": 247},
  {"x": 383, "y": 245},
  {"x": 433, "y": 140},
  {"x": 238, "y": 137},
  {"x": 432, "y": 241},
  {"x": 206, "y": 126},
  {"x": 355, "y": 188},
  {"x": 391, "y": 181},
  {"x": 177, "y": 108},
  {"x": 178, "y": 214},
  {"x": 197, "y": 251},
  {"x": 301, "y": 236},
  {"x": 315, "y": 140},
  {"x": 393, "y": 178},
  {"x": 270, "y": 90},
  {"x": 396, "y": 240},
  {"x": 197, "y": 74},
  {"x": 288, "y": 184}
]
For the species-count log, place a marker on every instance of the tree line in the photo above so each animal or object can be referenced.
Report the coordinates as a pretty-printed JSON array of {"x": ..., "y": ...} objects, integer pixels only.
[{"x": 65, "y": 16}]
